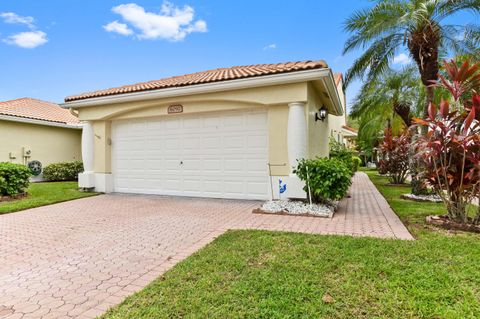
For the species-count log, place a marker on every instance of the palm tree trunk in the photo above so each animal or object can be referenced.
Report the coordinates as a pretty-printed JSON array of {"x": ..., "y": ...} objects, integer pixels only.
[{"x": 423, "y": 46}]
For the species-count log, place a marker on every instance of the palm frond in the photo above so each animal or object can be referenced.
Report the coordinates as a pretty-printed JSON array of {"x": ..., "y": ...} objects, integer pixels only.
[
  {"x": 375, "y": 59},
  {"x": 446, "y": 8}
]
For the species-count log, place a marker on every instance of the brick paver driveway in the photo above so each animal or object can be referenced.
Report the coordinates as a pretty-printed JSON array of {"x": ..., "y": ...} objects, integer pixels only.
[{"x": 76, "y": 259}]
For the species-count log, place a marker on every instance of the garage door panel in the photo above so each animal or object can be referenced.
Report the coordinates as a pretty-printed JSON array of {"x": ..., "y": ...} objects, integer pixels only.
[
  {"x": 211, "y": 142},
  {"x": 256, "y": 119},
  {"x": 191, "y": 143},
  {"x": 220, "y": 155},
  {"x": 172, "y": 124},
  {"x": 234, "y": 141},
  {"x": 232, "y": 121},
  {"x": 234, "y": 187},
  {"x": 257, "y": 141},
  {"x": 212, "y": 122}
]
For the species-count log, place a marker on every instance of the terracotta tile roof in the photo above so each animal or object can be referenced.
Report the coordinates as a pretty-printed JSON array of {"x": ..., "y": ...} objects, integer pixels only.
[
  {"x": 348, "y": 128},
  {"x": 38, "y": 110},
  {"x": 222, "y": 74}
]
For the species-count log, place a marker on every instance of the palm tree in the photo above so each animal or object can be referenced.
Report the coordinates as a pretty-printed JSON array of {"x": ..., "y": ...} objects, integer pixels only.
[
  {"x": 388, "y": 102},
  {"x": 415, "y": 25}
]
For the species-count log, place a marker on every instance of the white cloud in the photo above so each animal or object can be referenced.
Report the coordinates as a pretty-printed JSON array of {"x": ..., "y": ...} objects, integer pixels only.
[
  {"x": 27, "y": 40},
  {"x": 270, "y": 47},
  {"x": 402, "y": 59},
  {"x": 13, "y": 18},
  {"x": 171, "y": 23},
  {"x": 117, "y": 27}
]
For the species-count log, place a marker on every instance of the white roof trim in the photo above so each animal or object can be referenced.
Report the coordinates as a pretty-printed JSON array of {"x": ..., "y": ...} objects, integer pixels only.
[
  {"x": 19, "y": 119},
  {"x": 348, "y": 133},
  {"x": 324, "y": 74}
]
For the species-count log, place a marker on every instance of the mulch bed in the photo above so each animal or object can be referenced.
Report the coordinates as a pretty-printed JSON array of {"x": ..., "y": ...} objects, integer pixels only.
[
  {"x": 285, "y": 213},
  {"x": 445, "y": 222},
  {"x": 8, "y": 198}
]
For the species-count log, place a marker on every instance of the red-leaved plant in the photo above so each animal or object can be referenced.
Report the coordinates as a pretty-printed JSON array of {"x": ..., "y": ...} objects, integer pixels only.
[
  {"x": 394, "y": 159},
  {"x": 450, "y": 152}
]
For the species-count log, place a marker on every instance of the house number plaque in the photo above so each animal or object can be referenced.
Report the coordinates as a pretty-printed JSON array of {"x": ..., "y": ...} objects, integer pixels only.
[{"x": 175, "y": 108}]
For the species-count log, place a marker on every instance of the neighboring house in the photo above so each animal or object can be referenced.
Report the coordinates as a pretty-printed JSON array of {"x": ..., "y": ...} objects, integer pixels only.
[
  {"x": 218, "y": 133},
  {"x": 337, "y": 124},
  {"x": 350, "y": 136},
  {"x": 34, "y": 130}
]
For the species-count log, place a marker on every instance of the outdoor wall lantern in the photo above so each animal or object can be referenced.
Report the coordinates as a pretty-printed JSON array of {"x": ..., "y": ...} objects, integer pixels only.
[{"x": 321, "y": 115}]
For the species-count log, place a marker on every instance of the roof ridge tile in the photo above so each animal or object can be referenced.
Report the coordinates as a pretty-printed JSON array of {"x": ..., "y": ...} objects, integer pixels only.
[{"x": 213, "y": 75}]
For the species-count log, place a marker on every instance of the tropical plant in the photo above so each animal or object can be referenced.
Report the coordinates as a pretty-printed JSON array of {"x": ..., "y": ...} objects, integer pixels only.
[
  {"x": 64, "y": 171},
  {"x": 450, "y": 152},
  {"x": 415, "y": 25},
  {"x": 341, "y": 152},
  {"x": 327, "y": 178},
  {"x": 394, "y": 156},
  {"x": 357, "y": 161},
  {"x": 388, "y": 102},
  {"x": 14, "y": 178}
]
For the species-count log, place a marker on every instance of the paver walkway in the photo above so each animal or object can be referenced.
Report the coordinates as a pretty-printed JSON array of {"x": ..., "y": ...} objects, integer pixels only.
[{"x": 77, "y": 259}]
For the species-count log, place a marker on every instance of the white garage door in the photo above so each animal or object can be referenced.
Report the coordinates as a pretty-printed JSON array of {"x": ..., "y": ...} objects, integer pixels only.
[{"x": 219, "y": 155}]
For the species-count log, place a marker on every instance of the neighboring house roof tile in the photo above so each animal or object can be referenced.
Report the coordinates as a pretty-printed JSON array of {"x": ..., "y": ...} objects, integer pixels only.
[
  {"x": 348, "y": 128},
  {"x": 222, "y": 74},
  {"x": 338, "y": 77},
  {"x": 38, "y": 110}
]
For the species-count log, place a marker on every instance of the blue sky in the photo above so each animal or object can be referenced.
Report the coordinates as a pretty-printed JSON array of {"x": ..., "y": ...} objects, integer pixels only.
[{"x": 51, "y": 49}]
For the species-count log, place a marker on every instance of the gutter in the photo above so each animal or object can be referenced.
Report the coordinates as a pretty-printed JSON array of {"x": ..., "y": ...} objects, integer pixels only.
[
  {"x": 39, "y": 122},
  {"x": 324, "y": 74}
]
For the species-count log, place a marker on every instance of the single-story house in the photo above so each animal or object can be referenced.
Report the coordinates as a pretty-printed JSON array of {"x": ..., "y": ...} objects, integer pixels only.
[
  {"x": 34, "y": 130},
  {"x": 350, "y": 136},
  {"x": 225, "y": 133}
]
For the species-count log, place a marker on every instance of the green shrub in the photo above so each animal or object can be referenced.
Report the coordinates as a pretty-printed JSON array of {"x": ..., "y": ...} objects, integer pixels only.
[
  {"x": 357, "y": 161},
  {"x": 328, "y": 178},
  {"x": 342, "y": 153},
  {"x": 66, "y": 171},
  {"x": 14, "y": 178}
]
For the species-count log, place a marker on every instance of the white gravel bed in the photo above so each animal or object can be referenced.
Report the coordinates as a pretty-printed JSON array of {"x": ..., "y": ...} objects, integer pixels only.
[
  {"x": 423, "y": 198},
  {"x": 298, "y": 208}
]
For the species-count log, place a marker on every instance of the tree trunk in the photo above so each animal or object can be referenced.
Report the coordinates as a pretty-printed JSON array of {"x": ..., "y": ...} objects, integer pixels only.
[
  {"x": 423, "y": 46},
  {"x": 403, "y": 110}
]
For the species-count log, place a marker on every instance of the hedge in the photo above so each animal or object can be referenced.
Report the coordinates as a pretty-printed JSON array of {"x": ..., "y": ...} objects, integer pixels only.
[
  {"x": 65, "y": 171},
  {"x": 328, "y": 178},
  {"x": 14, "y": 178}
]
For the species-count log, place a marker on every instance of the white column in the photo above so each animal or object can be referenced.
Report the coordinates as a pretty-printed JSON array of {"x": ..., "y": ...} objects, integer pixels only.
[
  {"x": 87, "y": 178},
  {"x": 297, "y": 132},
  {"x": 87, "y": 147},
  {"x": 297, "y": 147}
]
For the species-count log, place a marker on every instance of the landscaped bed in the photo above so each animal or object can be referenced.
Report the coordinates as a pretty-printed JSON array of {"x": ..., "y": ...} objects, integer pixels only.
[
  {"x": 297, "y": 208},
  {"x": 259, "y": 274},
  {"x": 40, "y": 194},
  {"x": 422, "y": 198}
]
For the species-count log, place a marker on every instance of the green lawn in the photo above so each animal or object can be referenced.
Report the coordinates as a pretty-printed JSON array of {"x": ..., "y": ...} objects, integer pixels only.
[
  {"x": 260, "y": 274},
  {"x": 41, "y": 194},
  {"x": 411, "y": 213}
]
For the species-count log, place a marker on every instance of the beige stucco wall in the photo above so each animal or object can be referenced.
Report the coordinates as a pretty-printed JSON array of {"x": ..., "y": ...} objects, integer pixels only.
[
  {"x": 245, "y": 98},
  {"x": 317, "y": 130},
  {"x": 102, "y": 159},
  {"x": 336, "y": 122},
  {"x": 275, "y": 98},
  {"x": 48, "y": 144}
]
